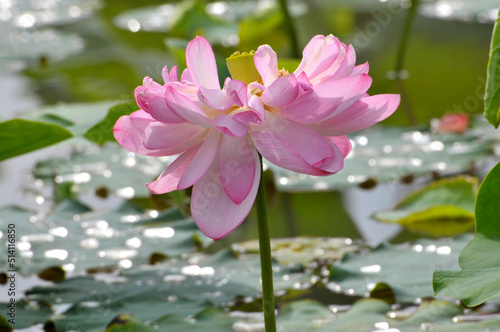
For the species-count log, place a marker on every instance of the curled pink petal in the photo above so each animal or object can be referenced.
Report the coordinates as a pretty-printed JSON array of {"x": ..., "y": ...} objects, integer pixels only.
[
  {"x": 281, "y": 92},
  {"x": 237, "y": 91},
  {"x": 200, "y": 61},
  {"x": 257, "y": 106},
  {"x": 152, "y": 100},
  {"x": 214, "y": 98},
  {"x": 215, "y": 213},
  {"x": 364, "y": 113},
  {"x": 159, "y": 135},
  {"x": 318, "y": 55},
  {"x": 236, "y": 167},
  {"x": 266, "y": 62},
  {"x": 248, "y": 117},
  {"x": 230, "y": 126},
  {"x": 129, "y": 132},
  {"x": 324, "y": 100},
  {"x": 281, "y": 153},
  {"x": 304, "y": 82},
  {"x": 347, "y": 65},
  {"x": 202, "y": 161},
  {"x": 169, "y": 179},
  {"x": 307, "y": 143},
  {"x": 342, "y": 142},
  {"x": 186, "y": 109}
]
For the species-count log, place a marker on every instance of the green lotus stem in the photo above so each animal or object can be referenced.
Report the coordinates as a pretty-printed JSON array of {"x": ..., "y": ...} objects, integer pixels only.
[
  {"x": 403, "y": 45},
  {"x": 265, "y": 256},
  {"x": 405, "y": 35},
  {"x": 290, "y": 26}
]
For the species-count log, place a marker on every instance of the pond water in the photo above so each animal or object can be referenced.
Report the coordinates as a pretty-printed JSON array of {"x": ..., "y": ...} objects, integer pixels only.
[{"x": 57, "y": 53}]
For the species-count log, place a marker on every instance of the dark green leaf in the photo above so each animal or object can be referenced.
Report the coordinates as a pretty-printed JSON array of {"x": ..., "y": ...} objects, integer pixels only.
[
  {"x": 102, "y": 132},
  {"x": 21, "y": 136},
  {"x": 78, "y": 118},
  {"x": 492, "y": 95},
  {"x": 478, "y": 280}
]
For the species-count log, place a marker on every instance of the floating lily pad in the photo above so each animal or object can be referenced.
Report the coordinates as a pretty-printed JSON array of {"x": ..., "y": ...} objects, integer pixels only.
[
  {"x": 364, "y": 316},
  {"x": 406, "y": 269},
  {"x": 76, "y": 238},
  {"x": 443, "y": 208},
  {"x": 95, "y": 167},
  {"x": 301, "y": 250},
  {"x": 177, "y": 286}
]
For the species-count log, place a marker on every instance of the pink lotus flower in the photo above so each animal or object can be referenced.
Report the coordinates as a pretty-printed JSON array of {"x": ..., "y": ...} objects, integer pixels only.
[
  {"x": 295, "y": 120},
  {"x": 450, "y": 123}
]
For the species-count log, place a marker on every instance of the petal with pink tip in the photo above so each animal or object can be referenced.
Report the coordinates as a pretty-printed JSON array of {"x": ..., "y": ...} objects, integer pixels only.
[
  {"x": 169, "y": 179},
  {"x": 149, "y": 82},
  {"x": 318, "y": 55},
  {"x": 342, "y": 142},
  {"x": 172, "y": 77},
  {"x": 266, "y": 62},
  {"x": 186, "y": 109},
  {"x": 247, "y": 117},
  {"x": 186, "y": 76},
  {"x": 200, "y": 61},
  {"x": 214, "y": 98},
  {"x": 257, "y": 106},
  {"x": 333, "y": 164},
  {"x": 281, "y": 92},
  {"x": 236, "y": 167},
  {"x": 307, "y": 143},
  {"x": 237, "y": 91},
  {"x": 364, "y": 113},
  {"x": 159, "y": 135},
  {"x": 152, "y": 100},
  {"x": 324, "y": 100},
  {"x": 281, "y": 153},
  {"x": 347, "y": 65},
  {"x": 229, "y": 126},
  {"x": 326, "y": 74},
  {"x": 304, "y": 83},
  {"x": 201, "y": 162},
  {"x": 361, "y": 69},
  {"x": 214, "y": 212},
  {"x": 129, "y": 131}
]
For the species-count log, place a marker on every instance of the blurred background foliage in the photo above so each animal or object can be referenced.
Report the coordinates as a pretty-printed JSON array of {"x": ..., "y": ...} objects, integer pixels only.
[{"x": 79, "y": 60}]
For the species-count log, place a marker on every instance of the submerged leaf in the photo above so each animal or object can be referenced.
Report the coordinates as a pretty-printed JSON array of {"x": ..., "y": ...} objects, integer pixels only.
[{"x": 443, "y": 208}]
